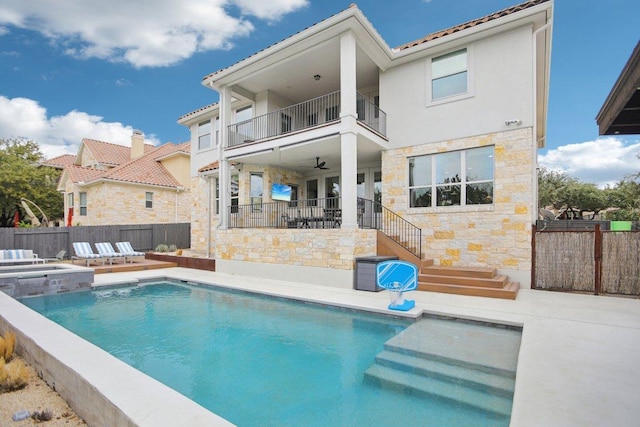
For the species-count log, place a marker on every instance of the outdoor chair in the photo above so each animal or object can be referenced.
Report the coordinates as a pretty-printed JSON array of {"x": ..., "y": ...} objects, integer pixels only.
[
  {"x": 127, "y": 250},
  {"x": 84, "y": 252},
  {"x": 106, "y": 250}
]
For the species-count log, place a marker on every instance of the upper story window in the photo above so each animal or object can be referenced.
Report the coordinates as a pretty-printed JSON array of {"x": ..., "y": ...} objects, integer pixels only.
[
  {"x": 449, "y": 75},
  {"x": 455, "y": 178},
  {"x": 70, "y": 200},
  {"x": 244, "y": 113},
  {"x": 148, "y": 200},
  {"x": 204, "y": 135},
  {"x": 216, "y": 129}
]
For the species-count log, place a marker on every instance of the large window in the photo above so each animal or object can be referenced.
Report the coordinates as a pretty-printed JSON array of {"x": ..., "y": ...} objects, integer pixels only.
[
  {"x": 235, "y": 193},
  {"x": 312, "y": 192},
  {"x": 256, "y": 192},
  {"x": 449, "y": 75},
  {"x": 83, "y": 203},
  {"x": 456, "y": 178},
  {"x": 204, "y": 135}
]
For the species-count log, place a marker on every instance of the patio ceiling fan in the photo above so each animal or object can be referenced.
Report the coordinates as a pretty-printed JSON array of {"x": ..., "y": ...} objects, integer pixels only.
[{"x": 319, "y": 164}]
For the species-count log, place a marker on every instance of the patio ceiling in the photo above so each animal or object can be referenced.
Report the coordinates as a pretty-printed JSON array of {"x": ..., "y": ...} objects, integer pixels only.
[
  {"x": 620, "y": 114},
  {"x": 302, "y": 157},
  {"x": 293, "y": 78}
]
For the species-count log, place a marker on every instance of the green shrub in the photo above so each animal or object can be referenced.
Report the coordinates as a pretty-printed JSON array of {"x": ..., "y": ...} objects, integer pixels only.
[{"x": 162, "y": 248}]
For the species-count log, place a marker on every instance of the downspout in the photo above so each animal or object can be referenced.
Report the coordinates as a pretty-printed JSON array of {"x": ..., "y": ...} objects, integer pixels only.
[
  {"x": 177, "y": 191},
  {"x": 209, "y": 181},
  {"x": 534, "y": 153}
]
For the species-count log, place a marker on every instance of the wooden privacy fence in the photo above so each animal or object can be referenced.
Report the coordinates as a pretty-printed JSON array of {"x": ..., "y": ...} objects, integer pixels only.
[
  {"x": 48, "y": 241},
  {"x": 597, "y": 261}
]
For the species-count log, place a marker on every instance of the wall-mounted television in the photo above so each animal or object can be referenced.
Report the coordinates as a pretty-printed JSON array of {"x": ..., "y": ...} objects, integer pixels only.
[{"x": 281, "y": 192}]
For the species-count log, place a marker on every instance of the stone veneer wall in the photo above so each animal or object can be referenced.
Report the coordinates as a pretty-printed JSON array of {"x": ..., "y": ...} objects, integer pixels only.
[
  {"x": 125, "y": 204},
  {"x": 325, "y": 248},
  {"x": 199, "y": 212},
  {"x": 497, "y": 235}
]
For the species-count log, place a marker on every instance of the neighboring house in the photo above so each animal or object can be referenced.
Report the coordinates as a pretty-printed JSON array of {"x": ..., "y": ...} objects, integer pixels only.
[
  {"x": 330, "y": 145},
  {"x": 113, "y": 184}
]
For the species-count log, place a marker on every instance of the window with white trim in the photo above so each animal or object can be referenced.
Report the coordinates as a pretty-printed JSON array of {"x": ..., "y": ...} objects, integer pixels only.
[
  {"x": 449, "y": 75},
  {"x": 455, "y": 178},
  {"x": 148, "y": 200},
  {"x": 256, "y": 190},
  {"x": 204, "y": 135},
  {"x": 83, "y": 203}
]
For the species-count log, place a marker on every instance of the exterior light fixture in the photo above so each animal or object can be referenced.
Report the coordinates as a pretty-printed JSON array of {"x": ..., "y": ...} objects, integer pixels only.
[
  {"x": 516, "y": 122},
  {"x": 316, "y": 77}
]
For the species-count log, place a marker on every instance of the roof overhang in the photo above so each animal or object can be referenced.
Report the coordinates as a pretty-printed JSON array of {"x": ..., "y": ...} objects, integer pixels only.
[{"x": 620, "y": 113}]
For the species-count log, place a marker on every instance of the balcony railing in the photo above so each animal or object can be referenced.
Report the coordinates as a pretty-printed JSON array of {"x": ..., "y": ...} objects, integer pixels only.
[
  {"x": 307, "y": 114},
  {"x": 326, "y": 213}
]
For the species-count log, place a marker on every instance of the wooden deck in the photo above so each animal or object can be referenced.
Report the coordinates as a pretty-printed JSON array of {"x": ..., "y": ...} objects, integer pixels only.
[{"x": 136, "y": 265}]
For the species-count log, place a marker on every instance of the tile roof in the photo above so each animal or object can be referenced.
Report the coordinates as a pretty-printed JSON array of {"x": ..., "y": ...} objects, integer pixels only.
[
  {"x": 212, "y": 166},
  {"x": 107, "y": 153},
  {"x": 60, "y": 162},
  {"x": 473, "y": 23},
  {"x": 197, "y": 111},
  {"x": 147, "y": 169}
]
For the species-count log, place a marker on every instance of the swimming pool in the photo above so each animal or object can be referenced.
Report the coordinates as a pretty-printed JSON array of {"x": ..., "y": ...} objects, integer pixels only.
[{"x": 253, "y": 360}]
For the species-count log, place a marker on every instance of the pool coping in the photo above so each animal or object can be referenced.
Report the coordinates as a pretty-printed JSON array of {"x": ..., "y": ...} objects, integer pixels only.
[{"x": 576, "y": 364}]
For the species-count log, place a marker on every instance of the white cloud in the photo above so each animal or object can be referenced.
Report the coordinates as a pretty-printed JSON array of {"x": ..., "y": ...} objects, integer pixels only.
[
  {"x": 57, "y": 135},
  {"x": 142, "y": 32},
  {"x": 603, "y": 161}
]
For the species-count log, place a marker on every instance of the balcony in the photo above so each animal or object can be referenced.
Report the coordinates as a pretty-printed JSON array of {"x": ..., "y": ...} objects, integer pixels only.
[{"x": 305, "y": 115}]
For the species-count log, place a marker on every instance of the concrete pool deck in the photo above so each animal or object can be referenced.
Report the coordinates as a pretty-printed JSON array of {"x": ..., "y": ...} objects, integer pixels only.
[{"x": 578, "y": 362}]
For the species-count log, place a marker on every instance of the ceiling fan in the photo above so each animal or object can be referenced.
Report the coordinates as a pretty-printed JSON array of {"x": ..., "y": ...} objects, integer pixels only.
[{"x": 319, "y": 164}]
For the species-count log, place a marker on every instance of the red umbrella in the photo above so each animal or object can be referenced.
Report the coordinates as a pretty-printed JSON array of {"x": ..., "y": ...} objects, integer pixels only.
[
  {"x": 70, "y": 217},
  {"x": 16, "y": 219}
]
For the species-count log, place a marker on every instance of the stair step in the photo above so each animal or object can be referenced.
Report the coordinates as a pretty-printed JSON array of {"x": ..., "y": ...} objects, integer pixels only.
[
  {"x": 411, "y": 383},
  {"x": 498, "y": 281},
  {"x": 488, "y": 348},
  {"x": 508, "y": 292},
  {"x": 484, "y": 272},
  {"x": 447, "y": 372}
]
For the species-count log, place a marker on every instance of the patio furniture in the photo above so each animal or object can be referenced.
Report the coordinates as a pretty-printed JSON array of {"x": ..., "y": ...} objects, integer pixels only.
[
  {"x": 84, "y": 252},
  {"x": 106, "y": 250},
  {"x": 19, "y": 256},
  {"x": 127, "y": 250}
]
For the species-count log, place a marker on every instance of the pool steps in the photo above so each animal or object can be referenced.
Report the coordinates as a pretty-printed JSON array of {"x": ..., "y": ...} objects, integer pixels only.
[{"x": 465, "y": 363}]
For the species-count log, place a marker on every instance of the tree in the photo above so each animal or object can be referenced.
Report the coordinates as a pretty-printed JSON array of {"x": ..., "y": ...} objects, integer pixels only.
[
  {"x": 22, "y": 176},
  {"x": 551, "y": 186}
]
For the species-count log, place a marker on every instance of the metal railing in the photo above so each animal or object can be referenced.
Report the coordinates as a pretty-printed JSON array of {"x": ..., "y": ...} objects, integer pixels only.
[
  {"x": 307, "y": 114},
  {"x": 326, "y": 213},
  {"x": 372, "y": 214},
  {"x": 371, "y": 115}
]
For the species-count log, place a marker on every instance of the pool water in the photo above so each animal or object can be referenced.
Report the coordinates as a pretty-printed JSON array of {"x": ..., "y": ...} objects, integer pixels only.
[{"x": 256, "y": 361}]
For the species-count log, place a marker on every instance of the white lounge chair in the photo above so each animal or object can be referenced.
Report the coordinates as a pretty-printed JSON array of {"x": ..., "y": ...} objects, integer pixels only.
[
  {"x": 106, "y": 251},
  {"x": 127, "y": 250},
  {"x": 84, "y": 252}
]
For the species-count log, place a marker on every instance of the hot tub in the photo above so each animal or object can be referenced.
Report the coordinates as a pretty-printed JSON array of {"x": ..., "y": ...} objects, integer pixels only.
[{"x": 24, "y": 280}]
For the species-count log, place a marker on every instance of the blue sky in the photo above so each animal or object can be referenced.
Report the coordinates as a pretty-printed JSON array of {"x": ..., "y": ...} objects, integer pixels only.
[{"x": 101, "y": 70}]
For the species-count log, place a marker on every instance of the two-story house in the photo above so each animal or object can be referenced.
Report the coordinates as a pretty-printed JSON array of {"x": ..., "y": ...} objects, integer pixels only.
[
  {"x": 330, "y": 145},
  {"x": 113, "y": 184}
]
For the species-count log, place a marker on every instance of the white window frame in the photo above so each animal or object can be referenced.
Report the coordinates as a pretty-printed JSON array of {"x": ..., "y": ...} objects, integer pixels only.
[
  {"x": 455, "y": 97},
  {"x": 434, "y": 185},
  {"x": 148, "y": 199},
  {"x": 206, "y": 133},
  {"x": 83, "y": 203}
]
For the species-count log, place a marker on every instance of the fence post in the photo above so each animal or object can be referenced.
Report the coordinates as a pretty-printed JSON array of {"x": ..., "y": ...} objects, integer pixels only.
[{"x": 597, "y": 252}]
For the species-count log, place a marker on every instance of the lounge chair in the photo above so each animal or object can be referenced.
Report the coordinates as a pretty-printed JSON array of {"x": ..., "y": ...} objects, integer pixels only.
[
  {"x": 106, "y": 251},
  {"x": 127, "y": 250},
  {"x": 84, "y": 252}
]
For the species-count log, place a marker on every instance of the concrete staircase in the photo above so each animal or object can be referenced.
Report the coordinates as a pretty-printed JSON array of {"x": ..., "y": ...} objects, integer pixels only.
[
  {"x": 473, "y": 281},
  {"x": 468, "y": 364}
]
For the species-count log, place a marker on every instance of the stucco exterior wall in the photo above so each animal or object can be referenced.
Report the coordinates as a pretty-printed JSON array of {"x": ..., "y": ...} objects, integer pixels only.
[
  {"x": 500, "y": 76},
  {"x": 497, "y": 235}
]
